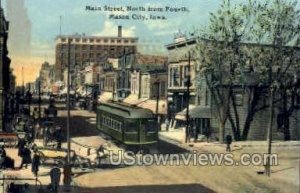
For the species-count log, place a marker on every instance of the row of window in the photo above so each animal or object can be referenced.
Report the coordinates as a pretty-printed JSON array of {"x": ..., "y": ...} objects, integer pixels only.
[
  {"x": 111, "y": 123},
  {"x": 92, "y": 40}
]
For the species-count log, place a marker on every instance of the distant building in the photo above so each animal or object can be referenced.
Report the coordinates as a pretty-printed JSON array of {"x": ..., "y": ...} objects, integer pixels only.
[
  {"x": 130, "y": 62},
  {"x": 148, "y": 88},
  {"x": 84, "y": 49},
  {"x": 47, "y": 77},
  {"x": 20, "y": 28},
  {"x": 5, "y": 73}
]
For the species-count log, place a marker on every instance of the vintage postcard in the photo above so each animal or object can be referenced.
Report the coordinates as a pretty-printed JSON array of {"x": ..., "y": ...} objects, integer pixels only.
[{"x": 149, "y": 96}]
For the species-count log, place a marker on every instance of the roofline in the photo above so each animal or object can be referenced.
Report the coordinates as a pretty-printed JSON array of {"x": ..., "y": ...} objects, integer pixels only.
[{"x": 82, "y": 36}]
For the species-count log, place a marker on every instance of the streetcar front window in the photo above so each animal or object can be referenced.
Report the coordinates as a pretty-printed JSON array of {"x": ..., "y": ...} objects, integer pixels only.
[
  {"x": 151, "y": 125},
  {"x": 131, "y": 127}
]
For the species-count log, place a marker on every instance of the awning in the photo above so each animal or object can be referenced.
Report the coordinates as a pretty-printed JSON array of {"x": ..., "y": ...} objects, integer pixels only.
[
  {"x": 151, "y": 105},
  {"x": 133, "y": 99},
  {"x": 80, "y": 89},
  {"x": 195, "y": 112},
  {"x": 64, "y": 91},
  {"x": 105, "y": 96}
]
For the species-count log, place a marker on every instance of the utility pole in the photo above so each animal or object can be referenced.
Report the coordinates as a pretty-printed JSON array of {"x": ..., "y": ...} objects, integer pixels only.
[
  {"x": 39, "y": 100},
  {"x": 188, "y": 82},
  {"x": 157, "y": 83},
  {"x": 157, "y": 104},
  {"x": 23, "y": 86},
  {"x": 67, "y": 167}
]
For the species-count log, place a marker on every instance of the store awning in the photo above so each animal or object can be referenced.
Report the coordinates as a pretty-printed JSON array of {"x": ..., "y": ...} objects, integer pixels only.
[
  {"x": 194, "y": 113},
  {"x": 133, "y": 99},
  {"x": 105, "y": 97},
  {"x": 151, "y": 105}
]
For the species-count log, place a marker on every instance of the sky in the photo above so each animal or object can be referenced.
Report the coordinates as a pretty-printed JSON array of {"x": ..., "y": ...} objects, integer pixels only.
[{"x": 45, "y": 19}]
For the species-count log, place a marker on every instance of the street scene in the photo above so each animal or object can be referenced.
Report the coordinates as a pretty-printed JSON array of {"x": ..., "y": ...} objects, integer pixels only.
[{"x": 150, "y": 97}]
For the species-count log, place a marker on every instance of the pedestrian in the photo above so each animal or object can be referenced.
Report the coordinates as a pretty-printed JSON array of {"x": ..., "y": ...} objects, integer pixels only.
[
  {"x": 228, "y": 143},
  {"x": 207, "y": 134},
  {"x": 55, "y": 178},
  {"x": 21, "y": 145},
  {"x": 167, "y": 124},
  {"x": 26, "y": 157},
  {"x": 2, "y": 157},
  {"x": 35, "y": 163},
  {"x": 37, "y": 131},
  {"x": 59, "y": 137}
]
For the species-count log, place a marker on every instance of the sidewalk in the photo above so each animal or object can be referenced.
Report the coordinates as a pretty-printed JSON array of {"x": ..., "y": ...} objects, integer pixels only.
[{"x": 177, "y": 137}]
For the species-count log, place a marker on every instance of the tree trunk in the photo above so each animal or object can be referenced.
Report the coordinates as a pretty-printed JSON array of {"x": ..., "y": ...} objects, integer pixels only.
[
  {"x": 247, "y": 126},
  {"x": 268, "y": 166},
  {"x": 222, "y": 131}
]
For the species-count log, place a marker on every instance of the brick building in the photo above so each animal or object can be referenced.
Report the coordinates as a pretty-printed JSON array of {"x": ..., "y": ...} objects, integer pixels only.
[{"x": 84, "y": 49}]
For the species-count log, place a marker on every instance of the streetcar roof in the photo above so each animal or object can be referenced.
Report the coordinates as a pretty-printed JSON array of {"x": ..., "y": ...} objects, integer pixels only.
[{"x": 126, "y": 111}]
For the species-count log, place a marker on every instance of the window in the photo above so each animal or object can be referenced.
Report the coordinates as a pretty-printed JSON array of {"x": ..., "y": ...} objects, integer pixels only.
[
  {"x": 151, "y": 125},
  {"x": 163, "y": 89},
  {"x": 238, "y": 99},
  {"x": 154, "y": 89},
  {"x": 145, "y": 87},
  {"x": 111, "y": 123},
  {"x": 176, "y": 77},
  {"x": 131, "y": 127},
  {"x": 170, "y": 77}
]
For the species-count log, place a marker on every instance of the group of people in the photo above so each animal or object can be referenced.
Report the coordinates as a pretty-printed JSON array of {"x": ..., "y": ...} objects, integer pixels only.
[{"x": 24, "y": 151}]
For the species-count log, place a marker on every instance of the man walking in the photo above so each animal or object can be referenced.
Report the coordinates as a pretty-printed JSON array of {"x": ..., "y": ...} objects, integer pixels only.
[
  {"x": 228, "y": 143},
  {"x": 55, "y": 178},
  {"x": 35, "y": 163}
]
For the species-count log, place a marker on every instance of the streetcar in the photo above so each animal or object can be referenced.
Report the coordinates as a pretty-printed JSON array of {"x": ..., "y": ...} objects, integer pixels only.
[{"x": 131, "y": 125}]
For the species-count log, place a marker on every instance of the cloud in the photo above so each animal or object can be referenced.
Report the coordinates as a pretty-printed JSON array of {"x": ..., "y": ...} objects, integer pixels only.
[{"x": 110, "y": 27}]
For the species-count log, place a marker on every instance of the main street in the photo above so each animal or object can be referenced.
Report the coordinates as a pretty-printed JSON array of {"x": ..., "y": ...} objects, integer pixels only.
[{"x": 166, "y": 178}]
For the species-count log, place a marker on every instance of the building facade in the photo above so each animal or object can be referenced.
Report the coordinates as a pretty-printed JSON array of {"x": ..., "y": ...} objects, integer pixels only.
[
  {"x": 47, "y": 77},
  {"x": 81, "y": 49},
  {"x": 203, "y": 111},
  {"x": 5, "y": 72}
]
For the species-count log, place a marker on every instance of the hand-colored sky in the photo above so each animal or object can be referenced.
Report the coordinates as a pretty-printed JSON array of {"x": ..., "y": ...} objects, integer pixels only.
[{"x": 45, "y": 19}]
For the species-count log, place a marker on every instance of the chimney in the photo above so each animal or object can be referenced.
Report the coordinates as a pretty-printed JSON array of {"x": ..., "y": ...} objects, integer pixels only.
[{"x": 119, "y": 31}]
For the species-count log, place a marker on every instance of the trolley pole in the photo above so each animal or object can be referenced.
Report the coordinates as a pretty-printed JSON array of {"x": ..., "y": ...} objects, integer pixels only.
[{"x": 188, "y": 76}]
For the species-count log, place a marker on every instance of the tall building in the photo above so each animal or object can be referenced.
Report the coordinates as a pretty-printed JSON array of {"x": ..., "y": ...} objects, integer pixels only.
[
  {"x": 4, "y": 71},
  {"x": 85, "y": 49},
  {"x": 20, "y": 28}
]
